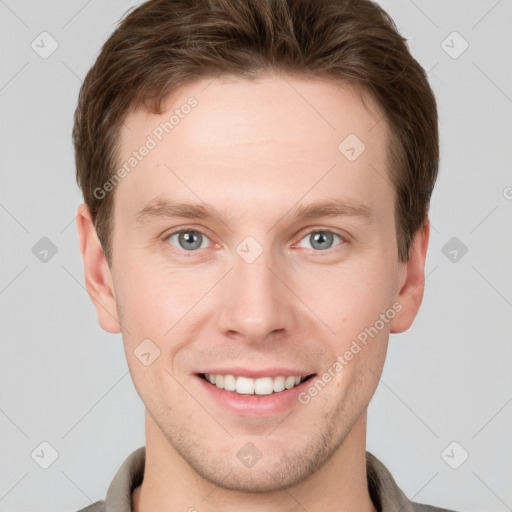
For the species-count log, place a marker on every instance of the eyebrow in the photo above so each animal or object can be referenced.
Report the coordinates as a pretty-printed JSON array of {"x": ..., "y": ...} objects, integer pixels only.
[{"x": 161, "y": 207}]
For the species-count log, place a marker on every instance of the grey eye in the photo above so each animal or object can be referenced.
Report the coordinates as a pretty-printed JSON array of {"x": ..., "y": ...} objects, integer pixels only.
[
  {"x": 188, "y": 240},
  {"x": 320, "y": 240}
]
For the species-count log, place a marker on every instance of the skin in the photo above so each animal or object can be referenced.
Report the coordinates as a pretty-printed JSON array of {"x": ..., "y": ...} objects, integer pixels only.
[{"x": 255, "y": 150}]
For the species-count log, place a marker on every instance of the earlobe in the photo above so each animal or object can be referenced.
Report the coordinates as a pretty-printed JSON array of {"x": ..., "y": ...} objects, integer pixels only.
[
  {"x": 98, "y": 279},
  {"x": 412, "y": 281}
]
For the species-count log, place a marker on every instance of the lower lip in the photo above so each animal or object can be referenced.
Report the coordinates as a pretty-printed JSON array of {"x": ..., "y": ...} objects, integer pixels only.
[{"x": 254, "y": 405}]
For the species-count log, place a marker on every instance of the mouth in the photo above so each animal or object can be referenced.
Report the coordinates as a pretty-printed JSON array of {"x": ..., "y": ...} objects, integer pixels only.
[{"x": 265, "y": 385}]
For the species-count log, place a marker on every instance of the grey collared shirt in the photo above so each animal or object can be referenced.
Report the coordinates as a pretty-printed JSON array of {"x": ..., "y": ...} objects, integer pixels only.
[{"x": 384, "y": 492}]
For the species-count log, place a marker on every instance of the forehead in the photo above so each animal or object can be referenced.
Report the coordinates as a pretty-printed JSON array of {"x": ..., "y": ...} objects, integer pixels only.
[
  {"x": 273, "y": 138},
  {"x": 234, "y": 110}
]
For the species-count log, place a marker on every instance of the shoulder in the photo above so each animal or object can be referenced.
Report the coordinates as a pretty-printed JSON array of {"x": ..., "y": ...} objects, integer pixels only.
[
  {"x": 420, "y": 507},
  {"x": 386, "y": 494},
  {"x": 99, "y": 506}
]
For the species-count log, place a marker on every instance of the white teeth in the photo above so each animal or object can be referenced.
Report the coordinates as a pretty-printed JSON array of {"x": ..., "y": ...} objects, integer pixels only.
[
  {"x": 229, "y": 383},
  {"x": 289, "y": 382},
  {"x": 278, "y": 384},
  {"x": 248, "y": 386},
  {"x": 244, "y": 386},
  {"x": 264, "y": 386}
]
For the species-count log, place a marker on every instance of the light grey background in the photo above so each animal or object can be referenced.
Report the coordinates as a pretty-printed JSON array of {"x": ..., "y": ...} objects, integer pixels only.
[{"x": 66, "y": 382}]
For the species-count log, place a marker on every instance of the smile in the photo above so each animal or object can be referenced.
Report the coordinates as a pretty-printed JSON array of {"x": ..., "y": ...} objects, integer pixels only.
[{"x": 260, "y": 386}]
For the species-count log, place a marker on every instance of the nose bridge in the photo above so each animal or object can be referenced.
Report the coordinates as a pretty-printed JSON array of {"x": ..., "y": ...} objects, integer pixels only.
[{"x": 255, "y": 301}]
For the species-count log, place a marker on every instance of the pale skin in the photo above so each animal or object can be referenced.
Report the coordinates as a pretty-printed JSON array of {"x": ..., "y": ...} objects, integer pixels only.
[{"x": 256, "y": 151}]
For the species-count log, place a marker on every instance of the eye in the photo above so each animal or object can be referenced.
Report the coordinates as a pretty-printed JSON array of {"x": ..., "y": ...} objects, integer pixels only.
[
  {"x": 188, "y": 240},
  {"x": 321, "y": 240}
]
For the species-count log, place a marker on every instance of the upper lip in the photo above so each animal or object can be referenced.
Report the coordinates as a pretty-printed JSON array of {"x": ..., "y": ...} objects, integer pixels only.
[{"x": 255, "y": 374}]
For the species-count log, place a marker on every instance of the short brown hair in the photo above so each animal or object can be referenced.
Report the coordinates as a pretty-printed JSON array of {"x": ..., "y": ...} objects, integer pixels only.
[{"x": 164, "y": 44}]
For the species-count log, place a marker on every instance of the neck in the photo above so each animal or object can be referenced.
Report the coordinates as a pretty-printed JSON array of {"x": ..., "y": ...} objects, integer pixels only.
[{"x": 170, "y": 484}]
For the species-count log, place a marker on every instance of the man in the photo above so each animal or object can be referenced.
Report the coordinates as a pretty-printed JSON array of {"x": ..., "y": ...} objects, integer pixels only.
[{"x": 256, "y": 177}]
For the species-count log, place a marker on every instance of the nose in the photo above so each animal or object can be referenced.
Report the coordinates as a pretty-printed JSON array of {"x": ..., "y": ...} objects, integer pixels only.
[{"x": 257, "y": 303}]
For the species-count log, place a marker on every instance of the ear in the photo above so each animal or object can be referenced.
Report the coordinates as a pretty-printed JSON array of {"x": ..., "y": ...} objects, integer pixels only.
[
  {"x": 412, "y": 281},
  {"x": 98, "y": 279}
]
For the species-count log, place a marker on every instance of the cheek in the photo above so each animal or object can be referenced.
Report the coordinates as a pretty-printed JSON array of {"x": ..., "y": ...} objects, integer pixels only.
[
  {"x": 348, "y": 297},
  {"x": 154, "y": 299}
]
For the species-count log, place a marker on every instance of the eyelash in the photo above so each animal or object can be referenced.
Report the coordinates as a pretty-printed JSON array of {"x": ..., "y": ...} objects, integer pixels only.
[{"x": 189, "y": 254}]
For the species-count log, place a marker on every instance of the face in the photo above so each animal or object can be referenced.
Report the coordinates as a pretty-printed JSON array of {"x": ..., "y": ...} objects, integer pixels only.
[{"x": 254, "y": 243}]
